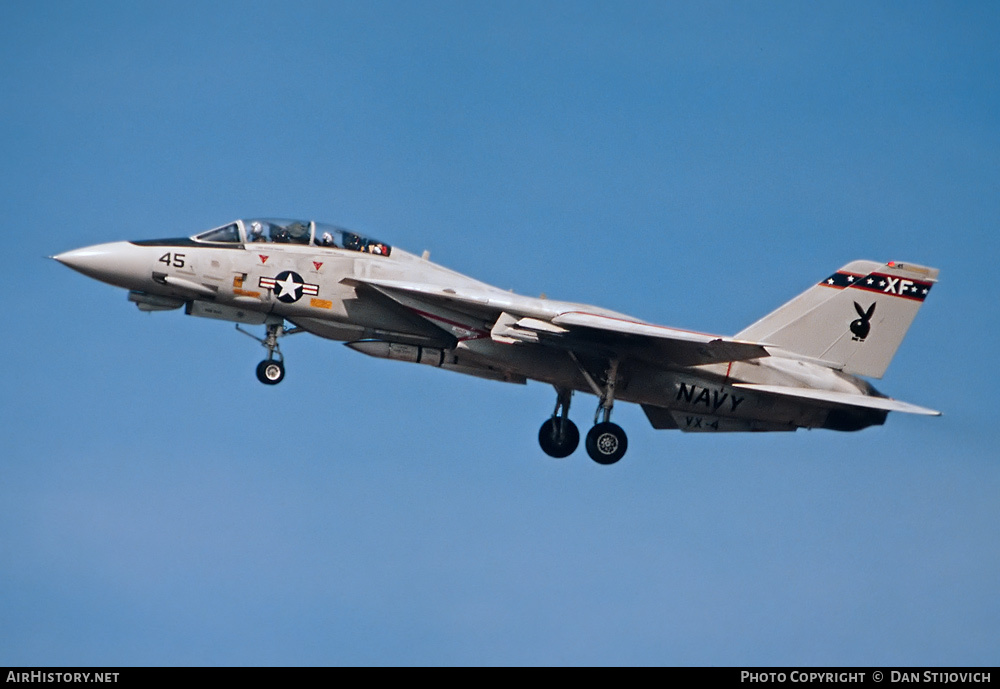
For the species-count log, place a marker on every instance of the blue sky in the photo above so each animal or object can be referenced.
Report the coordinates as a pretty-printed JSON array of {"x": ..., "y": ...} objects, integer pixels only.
[{"x": 693, "y": 164}]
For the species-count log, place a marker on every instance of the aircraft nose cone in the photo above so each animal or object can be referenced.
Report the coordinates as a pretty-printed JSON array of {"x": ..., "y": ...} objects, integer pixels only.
[
  {"x": 112, "y": 263},
  {"x": 92, "y": 260}
]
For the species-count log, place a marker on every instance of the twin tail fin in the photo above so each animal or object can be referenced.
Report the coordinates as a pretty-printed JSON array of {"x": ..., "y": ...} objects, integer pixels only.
[{"x": 854, "y": 320}]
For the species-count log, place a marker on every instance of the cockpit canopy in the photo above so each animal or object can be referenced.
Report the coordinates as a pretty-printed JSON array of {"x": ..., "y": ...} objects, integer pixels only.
[{"x": 292, "y": 232}]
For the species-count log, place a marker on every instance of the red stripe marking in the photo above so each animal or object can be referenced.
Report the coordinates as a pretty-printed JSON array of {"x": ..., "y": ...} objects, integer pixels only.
[{"x": 430, "y": 316}]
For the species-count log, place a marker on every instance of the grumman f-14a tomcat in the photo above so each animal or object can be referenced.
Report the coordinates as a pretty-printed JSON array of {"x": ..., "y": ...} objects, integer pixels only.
[{"x": 797, "y": 367}]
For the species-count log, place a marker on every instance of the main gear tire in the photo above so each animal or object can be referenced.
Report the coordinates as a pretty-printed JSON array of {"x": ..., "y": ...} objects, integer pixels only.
[
  {"x": 606, "y": 443},
  {"x": 558, "y": 437}
]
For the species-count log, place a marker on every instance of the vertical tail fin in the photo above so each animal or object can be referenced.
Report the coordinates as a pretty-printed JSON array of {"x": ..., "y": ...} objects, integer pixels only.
[{"x": 856, "y": 318}]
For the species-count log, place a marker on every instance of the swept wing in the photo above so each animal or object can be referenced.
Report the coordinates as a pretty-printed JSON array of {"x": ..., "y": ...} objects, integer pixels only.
[{"x": 512, "y": 319}]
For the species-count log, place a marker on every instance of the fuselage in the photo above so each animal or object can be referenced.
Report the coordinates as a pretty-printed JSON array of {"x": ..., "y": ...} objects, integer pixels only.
[{"x": 334, "y": 283}]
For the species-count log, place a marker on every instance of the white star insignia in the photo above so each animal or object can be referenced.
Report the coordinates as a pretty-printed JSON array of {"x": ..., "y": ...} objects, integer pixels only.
[{"x": 289, "y": 287}]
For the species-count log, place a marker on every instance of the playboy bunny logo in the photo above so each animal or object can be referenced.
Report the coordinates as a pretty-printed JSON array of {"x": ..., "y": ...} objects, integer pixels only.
[{"x": 862, "y": 326}]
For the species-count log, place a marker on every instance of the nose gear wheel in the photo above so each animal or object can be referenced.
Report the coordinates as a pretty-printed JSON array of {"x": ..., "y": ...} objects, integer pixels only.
[{"x": 271, "y": 370}]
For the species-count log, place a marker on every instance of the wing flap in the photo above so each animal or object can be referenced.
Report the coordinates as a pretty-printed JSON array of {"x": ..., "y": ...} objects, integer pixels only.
[
  {"x": 844, "y": 398},
  {"x": 510, "y": 329}
]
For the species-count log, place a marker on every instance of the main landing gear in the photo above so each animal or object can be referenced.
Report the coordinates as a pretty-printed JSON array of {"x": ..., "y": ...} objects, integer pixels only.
[
  {"x": 606, "y": 442},
  {"x": 559, "y": 436},
  {"x": 271, "y": 370}
]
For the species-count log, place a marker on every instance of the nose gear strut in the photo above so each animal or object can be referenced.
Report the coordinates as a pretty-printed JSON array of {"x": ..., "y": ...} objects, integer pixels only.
[{"x": 271, "y": 370}]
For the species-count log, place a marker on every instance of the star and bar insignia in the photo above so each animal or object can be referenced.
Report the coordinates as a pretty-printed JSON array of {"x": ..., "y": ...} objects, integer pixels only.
[{"x": 288, "y": 286}]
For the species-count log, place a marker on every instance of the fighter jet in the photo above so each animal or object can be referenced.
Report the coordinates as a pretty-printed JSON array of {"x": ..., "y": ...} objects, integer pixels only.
[{"x": 800, "y": 366}]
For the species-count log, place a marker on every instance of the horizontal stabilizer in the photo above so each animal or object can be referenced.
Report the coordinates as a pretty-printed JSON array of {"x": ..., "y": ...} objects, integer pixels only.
[{"x": 845, "y": 398}]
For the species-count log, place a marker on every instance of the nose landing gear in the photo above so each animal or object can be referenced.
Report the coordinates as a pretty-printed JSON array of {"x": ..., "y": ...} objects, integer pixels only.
[{"x": 271, "y": 370}]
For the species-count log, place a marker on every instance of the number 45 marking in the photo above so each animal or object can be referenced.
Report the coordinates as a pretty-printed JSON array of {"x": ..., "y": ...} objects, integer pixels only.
[{"x": 175, "y": 260}]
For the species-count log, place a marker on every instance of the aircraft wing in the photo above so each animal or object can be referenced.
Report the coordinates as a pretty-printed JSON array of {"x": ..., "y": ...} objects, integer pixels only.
[
  {"x": 513, "y": 319},
  {"x": 481, "y": 303},
  {"x": 682, "y": 347},
  {"x": 845, "y": 398}
]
